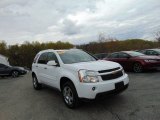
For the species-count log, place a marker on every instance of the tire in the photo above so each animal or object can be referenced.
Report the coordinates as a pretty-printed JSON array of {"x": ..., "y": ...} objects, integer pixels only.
[
  {"x": 36, "y": 84},
  {"x": 137, "y": 68},
  {"x": 14, "y": 74},
  {"x": 69, "y": 95}
]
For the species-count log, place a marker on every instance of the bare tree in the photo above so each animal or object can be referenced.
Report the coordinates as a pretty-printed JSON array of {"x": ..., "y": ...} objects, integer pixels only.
[
  {"x": 103, "y": 41},
  {"x": 157, "y": 36},
  {"x": 103, "y": 38}
]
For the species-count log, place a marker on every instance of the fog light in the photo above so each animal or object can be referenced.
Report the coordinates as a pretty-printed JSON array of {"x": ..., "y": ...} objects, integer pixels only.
[{"x": 94, "y": 88}]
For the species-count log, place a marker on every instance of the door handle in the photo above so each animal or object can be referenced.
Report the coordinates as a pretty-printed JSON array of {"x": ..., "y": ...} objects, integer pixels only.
[
  {"x": 45, "y": 68},
  {"x": 36, "y": 66}
]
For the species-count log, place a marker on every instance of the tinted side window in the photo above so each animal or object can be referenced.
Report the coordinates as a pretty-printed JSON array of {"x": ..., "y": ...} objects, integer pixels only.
[
  {"x": 151, "y": 52},
  {"x": 123, "y": 55},
  {"x": 104, "y": 55},
  {"x": 43, "y": 58},
  {"x": 114, "y": 55},
  {"x": 142, "y": 51},
  {"x": 35, "y": 59},
  {"x": 52, "y": 56}
]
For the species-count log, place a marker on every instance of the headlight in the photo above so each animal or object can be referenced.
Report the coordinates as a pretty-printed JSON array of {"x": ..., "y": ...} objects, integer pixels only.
[
  {"x": 88, "y": 76},
  {"x": 123, "y": 71},
  {"x": 150, "y": 60}
]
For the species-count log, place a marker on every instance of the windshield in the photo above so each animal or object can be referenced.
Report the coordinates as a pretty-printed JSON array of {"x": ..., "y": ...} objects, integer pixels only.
[
  {"x": 158, "y": 50},
  {"x": 75, "y": 56},
  {"x": 134, "y": 54}
]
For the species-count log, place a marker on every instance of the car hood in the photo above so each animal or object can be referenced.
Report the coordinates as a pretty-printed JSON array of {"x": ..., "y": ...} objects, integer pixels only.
[
  {"x": 148, "y": 57},
  {"x": 20, "y": 68},
  {"x": 94, "y": 65}
]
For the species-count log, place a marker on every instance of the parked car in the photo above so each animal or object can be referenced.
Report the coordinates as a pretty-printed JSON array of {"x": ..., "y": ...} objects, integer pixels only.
[
  {"x": 77, "y": 75},
  {"x": 23, "y": 68},
  {"x": 138, "y": 62},
  {"x": 101, "y": 55},
  {"x": 154, "y": 52},
  {"x": 6, "y": 70}
]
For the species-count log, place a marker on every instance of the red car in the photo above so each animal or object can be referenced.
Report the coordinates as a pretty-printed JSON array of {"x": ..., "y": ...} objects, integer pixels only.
[{"x": 131, "y": 60}]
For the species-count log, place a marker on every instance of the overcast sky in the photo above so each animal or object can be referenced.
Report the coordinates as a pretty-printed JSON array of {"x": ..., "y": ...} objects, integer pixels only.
[{"x": 77, "y": 21}]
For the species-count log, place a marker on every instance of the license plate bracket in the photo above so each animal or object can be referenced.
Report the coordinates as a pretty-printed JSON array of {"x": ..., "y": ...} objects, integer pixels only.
[{"x": 119, "y": 85}]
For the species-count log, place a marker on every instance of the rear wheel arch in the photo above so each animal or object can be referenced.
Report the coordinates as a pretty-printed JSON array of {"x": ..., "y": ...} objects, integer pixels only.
[
  {"x": 36, "y": 83},
  {"x": 33, "y": 74}
]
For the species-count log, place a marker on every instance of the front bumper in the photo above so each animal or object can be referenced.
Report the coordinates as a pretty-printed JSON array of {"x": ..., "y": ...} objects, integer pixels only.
[
  {"x": 85, "y": 90},
  {"x": 112, "y": 92},
  {"x": 155, "y": 65},
  {"x": 22, "y": 72}
]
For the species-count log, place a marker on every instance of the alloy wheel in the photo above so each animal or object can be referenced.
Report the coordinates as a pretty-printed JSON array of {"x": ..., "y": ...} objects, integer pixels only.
[
  {"x": 68, "y": 95},
  {"x": 14, "y": 74},
  {"x": 137, "y": 68},
  {"x": 34, "y": 82}
]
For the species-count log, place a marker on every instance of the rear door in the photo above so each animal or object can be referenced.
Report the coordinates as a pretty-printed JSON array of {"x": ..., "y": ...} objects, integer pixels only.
[{"x": 41, "y": 66}]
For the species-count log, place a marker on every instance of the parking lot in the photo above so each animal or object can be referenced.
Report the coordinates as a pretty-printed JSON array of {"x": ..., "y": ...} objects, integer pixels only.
[{"x": 141, "y": 101}]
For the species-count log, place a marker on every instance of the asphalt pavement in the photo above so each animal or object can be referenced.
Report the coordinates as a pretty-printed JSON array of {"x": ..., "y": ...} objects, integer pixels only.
[{"x": 141, "y": 101}]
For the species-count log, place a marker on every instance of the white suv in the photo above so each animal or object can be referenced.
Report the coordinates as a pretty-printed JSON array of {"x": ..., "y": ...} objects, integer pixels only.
[{"x": 77, "y": 74}]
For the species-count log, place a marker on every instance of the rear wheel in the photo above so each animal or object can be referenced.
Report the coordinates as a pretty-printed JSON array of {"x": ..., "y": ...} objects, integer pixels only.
[
  {"x": 36, "y": 84},
  {"x": 137, "y": 68},
  {"x": 14, "y": 74},
  {"x": 70, "y": 96}
]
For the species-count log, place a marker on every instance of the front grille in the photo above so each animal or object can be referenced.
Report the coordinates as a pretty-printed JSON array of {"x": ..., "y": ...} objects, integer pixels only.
[
  {"x": 112, "y": 76},
  {"x": 110, "y": 70}
]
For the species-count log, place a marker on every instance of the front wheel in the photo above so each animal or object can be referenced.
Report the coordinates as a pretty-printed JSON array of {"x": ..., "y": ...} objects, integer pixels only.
[
  {"x": 70, "y": 96},
  {"x": 14, "y": 74},
  {"x": 137, "y": 68}
]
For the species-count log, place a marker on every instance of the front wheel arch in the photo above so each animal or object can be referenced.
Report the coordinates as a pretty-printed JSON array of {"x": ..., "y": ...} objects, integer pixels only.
[
  {"x": 141, "y": 65},
  {"x": 63, "y": 80},
  {"x": 14, "y": 71},
  {"x": 72, "y": 96}
]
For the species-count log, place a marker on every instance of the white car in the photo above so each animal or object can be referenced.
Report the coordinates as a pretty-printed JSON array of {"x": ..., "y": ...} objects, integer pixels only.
[{"x": 77, "y": 75}]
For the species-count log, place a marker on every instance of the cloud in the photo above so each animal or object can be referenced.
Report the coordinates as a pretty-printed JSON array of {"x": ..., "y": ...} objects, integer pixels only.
[{"x": 77, "y": 21}]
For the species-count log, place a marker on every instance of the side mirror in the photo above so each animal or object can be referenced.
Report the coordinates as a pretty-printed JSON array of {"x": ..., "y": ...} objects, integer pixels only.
[{"x": 51, "y": 63}]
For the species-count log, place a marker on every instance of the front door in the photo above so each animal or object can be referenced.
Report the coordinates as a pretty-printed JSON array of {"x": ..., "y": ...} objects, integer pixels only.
[
  {"x": 51, "y": 72},
  {"x": 4, "y": 70}
]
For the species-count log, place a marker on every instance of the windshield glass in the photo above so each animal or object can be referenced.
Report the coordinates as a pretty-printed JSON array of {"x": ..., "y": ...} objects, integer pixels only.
[
  {"x": 75, "y": 56},
  {"x": 134, "y": 54},
  {"x": 158, "y": 50}
]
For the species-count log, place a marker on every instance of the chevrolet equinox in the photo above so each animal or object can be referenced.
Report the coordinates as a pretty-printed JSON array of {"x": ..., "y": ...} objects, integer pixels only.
[{"x": 77, "y": 74}]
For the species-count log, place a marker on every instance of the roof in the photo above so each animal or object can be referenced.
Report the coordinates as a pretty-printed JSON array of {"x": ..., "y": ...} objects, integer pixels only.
[{"x": 48, "y": 50}]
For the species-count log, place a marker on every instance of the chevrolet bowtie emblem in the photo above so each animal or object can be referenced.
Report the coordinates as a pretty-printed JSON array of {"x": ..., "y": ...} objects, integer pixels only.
[{"x": 114, "y": 72}]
